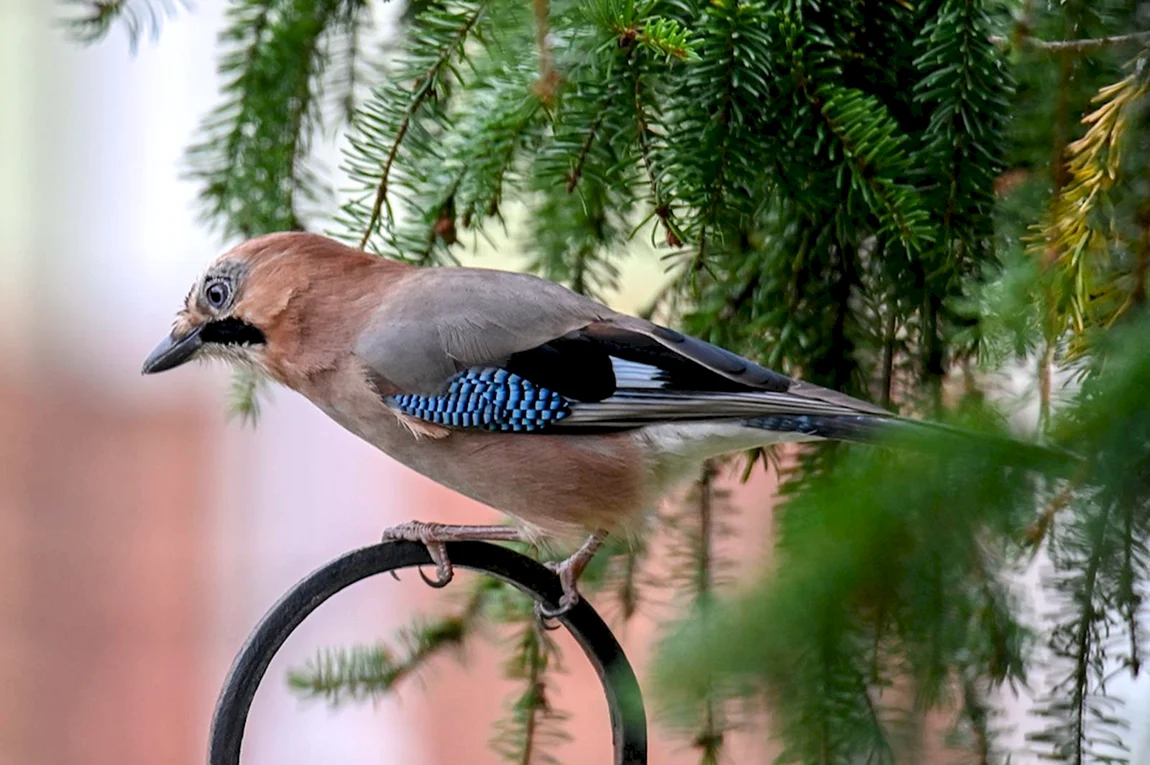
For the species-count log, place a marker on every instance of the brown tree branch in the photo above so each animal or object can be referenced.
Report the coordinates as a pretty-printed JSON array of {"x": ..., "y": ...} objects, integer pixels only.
[
  {"x": 548, "y": 81},
  {"x": 1087, "y": 45}
]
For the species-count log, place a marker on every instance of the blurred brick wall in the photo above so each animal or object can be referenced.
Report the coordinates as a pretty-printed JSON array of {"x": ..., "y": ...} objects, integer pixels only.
[{"x": 102, "y": 557}]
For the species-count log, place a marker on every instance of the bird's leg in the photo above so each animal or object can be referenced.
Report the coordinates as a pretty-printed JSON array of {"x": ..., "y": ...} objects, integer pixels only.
[
  {"x": 569, "y": 571},
  {"x": 433, "y": 536}
]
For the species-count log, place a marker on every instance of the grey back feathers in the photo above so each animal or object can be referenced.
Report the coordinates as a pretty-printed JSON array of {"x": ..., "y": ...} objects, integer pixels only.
[{"x": 439, "y": 321}]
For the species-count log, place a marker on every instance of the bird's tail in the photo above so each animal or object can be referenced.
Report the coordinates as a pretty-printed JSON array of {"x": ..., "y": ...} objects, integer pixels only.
[
  {"x": 857, "y": 428},
  {"x": 916, "y": 434}
]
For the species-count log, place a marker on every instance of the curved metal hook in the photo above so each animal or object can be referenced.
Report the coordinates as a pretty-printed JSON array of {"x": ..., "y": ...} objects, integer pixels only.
[{"x": 624, "y": 699}]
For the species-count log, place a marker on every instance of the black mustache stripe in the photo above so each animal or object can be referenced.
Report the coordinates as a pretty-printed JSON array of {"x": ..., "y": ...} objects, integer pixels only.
[{"x": 232, "y": 331}]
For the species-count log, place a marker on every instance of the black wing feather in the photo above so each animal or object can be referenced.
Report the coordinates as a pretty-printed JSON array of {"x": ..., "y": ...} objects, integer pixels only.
[
  {"x": 678, "y": 379},
  {"x": 578, "y": 365}
]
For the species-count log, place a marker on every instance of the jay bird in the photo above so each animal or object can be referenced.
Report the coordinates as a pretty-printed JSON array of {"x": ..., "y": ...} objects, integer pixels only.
[{"x": 510, "y": 389}]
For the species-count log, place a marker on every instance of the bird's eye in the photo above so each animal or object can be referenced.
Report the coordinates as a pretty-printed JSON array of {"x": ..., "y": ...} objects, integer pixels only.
[{"x": 216, "y": 294}]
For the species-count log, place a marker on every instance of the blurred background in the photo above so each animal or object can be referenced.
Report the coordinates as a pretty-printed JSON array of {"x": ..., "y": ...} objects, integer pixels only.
[{"x": 142, "y": 533}]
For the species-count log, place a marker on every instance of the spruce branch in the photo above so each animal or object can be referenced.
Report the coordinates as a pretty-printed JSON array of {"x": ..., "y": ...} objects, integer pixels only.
[
  {"x": 888, "y": 352},
  {"x": 533, "y": 726},
  {"x": 627, "y": 587},
  {"x": 977, "y": 715},
  {"x": 94, "y": 19},
  {"x": 1100, "y": 558},
  {"x": 534, "y": 701},
  {"x": 810, "y": 633},
  {"x": 548, "y": 82},
  {"x": 582, "y": 177},
  {"x": 873, "y": 145},
  {"x": 719, "y": 106},
  {"x": 509, "y": 122},
  {"x": 1082, "y": 717},
  {"x": 1093, "y": 166},
  {"x": 697, "y": 524},
  {"x": 571, "y": 235},
  {"x": 1141, "y": 270},
  {"x": 720, "y": 170},
  {"x": 248, "y": 385},
  {"x": 585, "y": 149},
  {"x": 381, "y": 190},
  {"x": 1036, "y": 533},
  {"x": 634, "y": 24},
  {"x": 348, "y": 77},
  {"x": 709, "y": 738},
  {"x": 637, "y": 38},
  {"x": 1130, "y": 577},
  {"x": 667, "y": 38},
  {"x": 704, "y": 563},
  {"x": 252, "y": 159},
  {"x": 370, "y": 672},
  {"x": 645, "y": 137},
  {"x": 966, "y": 86},
  {"x": 424, "y": 88}
]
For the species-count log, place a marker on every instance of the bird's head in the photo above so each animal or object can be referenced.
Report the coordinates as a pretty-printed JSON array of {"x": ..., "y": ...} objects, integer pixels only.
[{"x": 281, "y": 303}]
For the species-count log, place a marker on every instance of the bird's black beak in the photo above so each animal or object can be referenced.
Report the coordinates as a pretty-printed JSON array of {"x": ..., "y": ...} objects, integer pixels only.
[{"x": 173, "y": 351}]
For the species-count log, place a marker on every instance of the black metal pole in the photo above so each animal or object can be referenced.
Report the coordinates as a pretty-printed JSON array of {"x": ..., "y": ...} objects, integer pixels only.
[{"x": 624, "y": 699}]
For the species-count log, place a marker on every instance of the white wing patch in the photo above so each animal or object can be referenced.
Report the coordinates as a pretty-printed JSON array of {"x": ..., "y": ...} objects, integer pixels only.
[{"x": 632, "y": 374}]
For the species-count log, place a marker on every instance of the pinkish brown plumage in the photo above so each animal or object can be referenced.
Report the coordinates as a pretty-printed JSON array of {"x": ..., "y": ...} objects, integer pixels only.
[{"x": 512, "y": 390}]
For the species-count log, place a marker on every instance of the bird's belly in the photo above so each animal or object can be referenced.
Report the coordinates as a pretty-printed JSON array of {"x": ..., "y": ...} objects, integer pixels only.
[{"x": 559, "y": 483}]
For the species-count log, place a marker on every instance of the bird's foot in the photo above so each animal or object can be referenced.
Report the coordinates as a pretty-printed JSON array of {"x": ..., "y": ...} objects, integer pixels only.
[
  {"x": 434, "y": 537},
  {"x": 569, "y": 571},
  {"x": 427, "y": 535}
]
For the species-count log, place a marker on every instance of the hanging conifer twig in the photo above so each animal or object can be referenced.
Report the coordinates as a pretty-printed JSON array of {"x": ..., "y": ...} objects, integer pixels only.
[{"x": 425, "y": 87}]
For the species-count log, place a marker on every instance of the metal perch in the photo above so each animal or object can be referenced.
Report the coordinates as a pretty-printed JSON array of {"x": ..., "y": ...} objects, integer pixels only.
[{"x": 624, "y": 699}]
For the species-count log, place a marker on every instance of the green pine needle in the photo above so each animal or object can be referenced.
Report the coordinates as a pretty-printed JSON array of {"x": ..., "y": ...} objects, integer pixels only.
[{"x": 94, "y": 19}]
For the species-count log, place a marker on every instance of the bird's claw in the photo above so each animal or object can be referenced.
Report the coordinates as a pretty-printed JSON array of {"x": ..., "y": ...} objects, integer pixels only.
[
  {"x": 565, "y": 605},
  {"x": 568, "y": 600},
  {"x": 543, "y": 617},
  {"x": 425, "y": 534},
  {"x": 444, "y": 571}
]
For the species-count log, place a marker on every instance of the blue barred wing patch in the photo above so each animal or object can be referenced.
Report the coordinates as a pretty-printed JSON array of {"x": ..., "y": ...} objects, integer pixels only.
[
  {"x": 860, "y": 428},
  {"x": 487, "y": 399}
]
